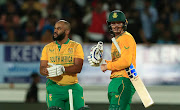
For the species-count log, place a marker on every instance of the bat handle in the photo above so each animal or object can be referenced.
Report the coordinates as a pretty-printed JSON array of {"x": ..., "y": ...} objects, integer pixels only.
[{"x": 71, "y": 99}]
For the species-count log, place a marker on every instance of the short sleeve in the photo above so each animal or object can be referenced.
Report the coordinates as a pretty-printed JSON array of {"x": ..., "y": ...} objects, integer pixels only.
[
  {"x": 44, "y": 55},
  {"x": 79, "y": 52}
]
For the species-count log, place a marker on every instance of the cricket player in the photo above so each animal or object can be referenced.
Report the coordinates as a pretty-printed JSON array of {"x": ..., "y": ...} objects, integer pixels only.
[
  {"x": 61, "y": 60},
  {"x": 120, "y": 89}
]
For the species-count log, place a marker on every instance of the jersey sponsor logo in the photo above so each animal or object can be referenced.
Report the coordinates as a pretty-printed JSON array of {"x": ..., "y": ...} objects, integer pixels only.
[
  {"x": 115, "y": 55},
  {"x": 115, "y": 15},
  {"x": 70, "y": 50},
  {"x": 126, "y": 47},
  {"x": 82, "y": 97}
]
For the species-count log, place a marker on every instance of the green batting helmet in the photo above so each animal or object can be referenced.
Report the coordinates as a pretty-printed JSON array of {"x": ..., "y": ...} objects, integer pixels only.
[{"x": 117, "y": 15}]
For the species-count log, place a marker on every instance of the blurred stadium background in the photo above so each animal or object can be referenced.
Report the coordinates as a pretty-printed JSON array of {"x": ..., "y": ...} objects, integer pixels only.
[{"x": 27, "y": 25}]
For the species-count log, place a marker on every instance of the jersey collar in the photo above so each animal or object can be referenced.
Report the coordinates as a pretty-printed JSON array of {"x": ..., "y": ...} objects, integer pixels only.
[
  {"x": 65, "y": 42},
  {"x": 59, "y": 46},
  {"x": 121, "y": 34}
]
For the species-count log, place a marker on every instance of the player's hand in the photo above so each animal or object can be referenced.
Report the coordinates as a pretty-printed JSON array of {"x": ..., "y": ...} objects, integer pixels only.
[
  {"x": 104, "y": 67},
  {"x": 55, "y": 70},
  {"x": 45, "y": 71}
]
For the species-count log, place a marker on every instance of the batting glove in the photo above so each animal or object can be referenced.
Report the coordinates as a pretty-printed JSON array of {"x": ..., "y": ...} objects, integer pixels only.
[
  {"x": 55, "y": 70},
  {"x": 95, "y": 58},
  {"x": 96, "y": 64}
]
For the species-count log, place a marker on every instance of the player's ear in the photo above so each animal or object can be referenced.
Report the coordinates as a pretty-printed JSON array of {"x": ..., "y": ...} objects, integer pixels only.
[{"x": 67, "y": 31}]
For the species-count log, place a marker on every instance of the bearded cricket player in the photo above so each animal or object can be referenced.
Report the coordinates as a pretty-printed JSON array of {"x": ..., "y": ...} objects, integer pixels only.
[{"x": 61, "y": 60}]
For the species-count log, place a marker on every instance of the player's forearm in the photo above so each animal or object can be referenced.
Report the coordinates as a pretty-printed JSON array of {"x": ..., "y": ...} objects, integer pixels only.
[
  {"x": 73, "y": 69},
  {"x": 43, "y": 67},
  {"x": 43, "y": 71}
]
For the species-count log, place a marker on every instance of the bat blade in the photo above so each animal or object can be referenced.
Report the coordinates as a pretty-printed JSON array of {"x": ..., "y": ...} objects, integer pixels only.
[
  {"x": 142, "y": 91},
  {"x": 139, "y": 86}
]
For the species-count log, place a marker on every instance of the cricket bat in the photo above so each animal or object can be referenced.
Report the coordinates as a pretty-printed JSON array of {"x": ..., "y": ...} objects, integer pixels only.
[{"x": 137, "y": 82}]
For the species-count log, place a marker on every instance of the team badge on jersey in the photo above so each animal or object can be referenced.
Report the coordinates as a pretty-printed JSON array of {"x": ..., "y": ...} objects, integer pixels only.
[
  {"x": 114, "y": 15},
  {"x": 116, "y": 96},
  {"x": 70, "y": 50},
  {"x": 50, "y": 97}
]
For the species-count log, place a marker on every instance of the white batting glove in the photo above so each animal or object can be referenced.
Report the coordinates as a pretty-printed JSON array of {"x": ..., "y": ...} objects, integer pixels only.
[
  {"x": 96, "y": 64},
  {"x": 95, "y": 58},
  {"x": 55, "y": 70}
]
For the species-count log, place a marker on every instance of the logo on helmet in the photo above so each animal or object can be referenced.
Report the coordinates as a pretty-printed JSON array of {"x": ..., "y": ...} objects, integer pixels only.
[{"x": 115, "y": 15}]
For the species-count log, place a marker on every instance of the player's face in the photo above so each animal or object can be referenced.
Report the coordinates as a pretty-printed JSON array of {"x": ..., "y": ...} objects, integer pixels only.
[
  {"x": 59, "y": 31},
  {"x": 117, "y": 27}
]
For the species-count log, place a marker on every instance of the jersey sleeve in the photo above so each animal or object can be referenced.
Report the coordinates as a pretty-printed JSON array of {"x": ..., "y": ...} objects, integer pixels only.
[
  {"x": 79, "y": 52},
  {"x": 107, "y": 61},
  {"x": 126, "y": 45},
  {"x": 44, "y": 55}
]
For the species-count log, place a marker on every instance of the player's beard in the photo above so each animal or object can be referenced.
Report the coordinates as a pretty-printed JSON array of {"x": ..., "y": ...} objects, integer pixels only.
[{"x": 60, "y": 37}]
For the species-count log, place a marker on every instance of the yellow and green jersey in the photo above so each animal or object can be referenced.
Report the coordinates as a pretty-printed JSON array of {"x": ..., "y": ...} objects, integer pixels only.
[
  {"x": 119, "y": 62},
  {"x": 63, "y": 55}
]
